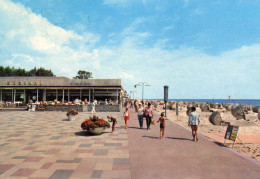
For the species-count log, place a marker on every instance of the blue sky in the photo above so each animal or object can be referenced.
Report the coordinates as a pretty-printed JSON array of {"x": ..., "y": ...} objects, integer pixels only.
[{"x": 199, "y": 48}]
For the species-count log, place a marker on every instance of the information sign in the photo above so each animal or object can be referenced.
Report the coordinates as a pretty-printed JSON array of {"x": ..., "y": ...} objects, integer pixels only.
[{"x": 231, "y": 133}]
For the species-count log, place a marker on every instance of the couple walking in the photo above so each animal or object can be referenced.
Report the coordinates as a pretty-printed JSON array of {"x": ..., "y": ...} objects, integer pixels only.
[{"x": 146, "y": 113}]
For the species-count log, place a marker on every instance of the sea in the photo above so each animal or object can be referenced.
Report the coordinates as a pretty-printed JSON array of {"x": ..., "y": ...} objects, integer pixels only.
[{"x": 253, "y": 102}]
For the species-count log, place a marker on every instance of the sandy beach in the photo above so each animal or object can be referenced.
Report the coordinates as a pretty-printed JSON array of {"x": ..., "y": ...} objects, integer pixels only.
[{"x": 247, "y": 129}]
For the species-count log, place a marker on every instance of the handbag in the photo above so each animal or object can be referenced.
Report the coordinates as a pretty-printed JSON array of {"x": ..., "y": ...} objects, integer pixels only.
[{"x": 153, "y": 122}]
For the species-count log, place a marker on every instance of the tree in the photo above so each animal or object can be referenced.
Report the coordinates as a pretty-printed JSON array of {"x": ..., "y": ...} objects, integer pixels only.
[
  {"x": 82, "y": 74},
  {"x": 8, "y": 71}
]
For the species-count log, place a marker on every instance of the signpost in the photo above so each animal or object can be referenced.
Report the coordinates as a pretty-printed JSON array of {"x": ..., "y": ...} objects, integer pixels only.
[{"x": 231, "y": 134}]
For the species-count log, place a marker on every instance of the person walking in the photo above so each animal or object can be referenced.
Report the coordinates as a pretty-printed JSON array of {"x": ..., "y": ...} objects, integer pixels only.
[
  {"x": 162, "y": 125},
  {"x": 149, "y": 115},
  {"x": 93, "y": 107},
  {"x": 140, "y": 111},
  {"x": 126, "y": 117},
  {"x": 194, "y": 121}
]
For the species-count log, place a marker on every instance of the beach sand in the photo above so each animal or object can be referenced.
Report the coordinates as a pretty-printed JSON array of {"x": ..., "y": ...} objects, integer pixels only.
[{"x": 247, "y": 129}]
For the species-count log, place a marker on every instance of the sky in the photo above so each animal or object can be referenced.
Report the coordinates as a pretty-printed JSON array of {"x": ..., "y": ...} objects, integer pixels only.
[{"x": 201, "y": 49}]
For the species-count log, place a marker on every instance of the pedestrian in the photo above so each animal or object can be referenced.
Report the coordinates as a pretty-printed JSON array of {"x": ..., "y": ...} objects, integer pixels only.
[
  {"x": 149, "y": 115},
  {"x": 126, "y": 117},
  {"x": 114, "y": 121},
  {"x": 194, "y": 121},
  {"x": 162, "y": 125},
  {"x": 93, "y": 107},
  {"x": 140, "y": 112}
]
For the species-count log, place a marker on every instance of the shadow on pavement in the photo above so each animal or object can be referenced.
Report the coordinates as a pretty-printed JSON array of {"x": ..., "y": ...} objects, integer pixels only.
[
  {"x": 176, "y": 138},
  {"x": 152, "y": 137},
  {"x": 136, "y": 128},
  {"x": 86, "y": 133}
]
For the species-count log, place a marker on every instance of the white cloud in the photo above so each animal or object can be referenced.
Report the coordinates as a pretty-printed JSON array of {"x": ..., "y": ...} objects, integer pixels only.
[{"x": 31, "y": 40}]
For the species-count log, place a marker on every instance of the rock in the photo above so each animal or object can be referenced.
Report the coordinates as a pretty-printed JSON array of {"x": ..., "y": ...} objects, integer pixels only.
[
  {"x": 228, "y": 107},
  {"x": 239, "y": 112},
  {"x": 205, "y": 108},
  {"x": 161, "y": 103},
  {"x": 256, "y": 109},
  {"x": 215, "y": 119},
  {"x": 189, "y": 105},
  {"x": 215, "y": 106},
  {"x": 259, "y": 115},
  {"x": 251, "y": 116}
]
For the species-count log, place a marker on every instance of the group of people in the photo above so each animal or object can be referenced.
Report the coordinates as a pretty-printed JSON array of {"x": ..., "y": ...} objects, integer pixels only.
[{"x": 147, "y": 113}]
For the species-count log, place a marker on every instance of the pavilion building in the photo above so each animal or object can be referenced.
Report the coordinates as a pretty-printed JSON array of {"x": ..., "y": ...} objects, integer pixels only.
[{"x": 25, "y": 89}]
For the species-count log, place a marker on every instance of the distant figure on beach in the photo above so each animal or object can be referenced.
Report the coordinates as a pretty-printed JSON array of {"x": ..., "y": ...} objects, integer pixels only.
[
  {"x": 114, "y": 121},
  {"x": 140, "y": 112},
  {"x": 131, "y": 104},
  {"x": 93, "y": 107},
  {"x": 149, "y": 115},
  {"x": 194, "y": 121},
  {"x": 162, "y": 125},
  {"x": 135, "y": 105},
  {"x": 126, "y": 117}
]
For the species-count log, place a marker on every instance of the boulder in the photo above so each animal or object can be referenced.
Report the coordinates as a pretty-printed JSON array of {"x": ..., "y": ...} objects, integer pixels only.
[
  {"x": 256, "y": 109},
  {"x": 205, "y": 108},
  {"x": 259, "y": 115},
  {"x": 215, "y": 119},
  {"x": 239, "y": 112},
  {"x": 228, "y": 107}
]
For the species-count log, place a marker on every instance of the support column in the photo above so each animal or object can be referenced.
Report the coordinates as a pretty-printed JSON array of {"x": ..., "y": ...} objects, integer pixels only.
[
  {"x": 14, "y": 94},
  {"x": 44, "y": 95},
  {"x": 56, "y": 94},
  {"x": 1, "y": 95},
  {"x": 117, "y": 95},
  {"x": 37, "y": 97},
  {"x": 68, "y": 95},
  {"x": 93, "y": 94},
  {"x": 89, "y": 96},
  {"x": 80, "y": 97},
  {"x": 63, "y": 96},
  {"x": 24, "y": 96}
]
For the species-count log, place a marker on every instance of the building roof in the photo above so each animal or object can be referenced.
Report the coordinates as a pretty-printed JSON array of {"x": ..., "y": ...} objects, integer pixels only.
[{"x": 55, "y": 81}]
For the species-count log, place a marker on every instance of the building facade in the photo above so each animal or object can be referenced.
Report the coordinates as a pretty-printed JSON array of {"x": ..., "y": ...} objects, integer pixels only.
[{"x": 63, "y": 89}]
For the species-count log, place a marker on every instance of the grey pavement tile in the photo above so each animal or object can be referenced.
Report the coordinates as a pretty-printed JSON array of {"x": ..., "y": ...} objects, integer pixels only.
[
  {"x": 85, "y": 145},
  {"x": 96, "y": 174},
  {"x": 70, "y": 143},
  {"x": 36, "y": 136},
  {"x": 96, "y": 138},
  {"x": 55, "y": 138},
  {"x": 31, "y": 143},
  {"x": 76, "y": 160},
  {"x": 61, "y": 174},
  {"x": 99, "y": 152},
  {"x": 121, "y": 160},
  {"x": 113, "y": 144},
  {"x": 19, "y": 157},
  {"x": 4, "y": 144}
]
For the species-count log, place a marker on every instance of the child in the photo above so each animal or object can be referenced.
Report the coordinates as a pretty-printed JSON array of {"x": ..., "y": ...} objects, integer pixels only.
[
  {"x": 126, "y": 117},
  {"x": 162, "y": 125},
  {"x": 113, "y": 120}
]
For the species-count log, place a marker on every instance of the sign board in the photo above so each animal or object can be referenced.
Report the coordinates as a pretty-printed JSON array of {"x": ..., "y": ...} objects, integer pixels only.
[
  {"x": 166, "y": 93},
  {"x": 231, "y": 133}
]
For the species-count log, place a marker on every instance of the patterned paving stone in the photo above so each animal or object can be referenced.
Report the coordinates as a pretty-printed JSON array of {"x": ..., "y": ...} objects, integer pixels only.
[
  {"x": 56, "y": 150},
  {"x": 24, "y": 172},
  {"x": 4, "y": 168},
  {"x": 96, "y": 174},
  {"x": 102, "y": 152},
  {"x": 85, "y": 145},
  {"x": 121, "y": 160},
  {"x": 64, "y": 174}
]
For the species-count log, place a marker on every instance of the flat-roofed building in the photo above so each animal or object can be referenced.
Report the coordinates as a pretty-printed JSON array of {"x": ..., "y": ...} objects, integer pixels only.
[{"x": 63, "y": 89}]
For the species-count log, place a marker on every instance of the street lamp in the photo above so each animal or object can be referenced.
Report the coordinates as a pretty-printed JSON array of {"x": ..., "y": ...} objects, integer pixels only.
[{"x": 143, "y": 84}]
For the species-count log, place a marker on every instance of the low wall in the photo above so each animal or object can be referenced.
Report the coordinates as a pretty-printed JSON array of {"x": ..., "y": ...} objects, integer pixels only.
[{"x": 83, "y": 108}]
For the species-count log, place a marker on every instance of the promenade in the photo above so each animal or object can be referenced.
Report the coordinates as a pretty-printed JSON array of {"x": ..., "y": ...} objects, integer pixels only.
[{"x": 45, "y": 145}]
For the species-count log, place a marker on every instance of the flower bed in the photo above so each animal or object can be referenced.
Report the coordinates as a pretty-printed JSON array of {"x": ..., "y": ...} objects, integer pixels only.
[
  {"x": 94, "y": 122},
  {"x": 73, "y": 112}
]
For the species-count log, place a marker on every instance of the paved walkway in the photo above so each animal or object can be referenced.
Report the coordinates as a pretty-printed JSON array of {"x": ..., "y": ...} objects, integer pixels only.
[
  {"x": 44, "y": 145},
  {"x": 176, "y": 156}
]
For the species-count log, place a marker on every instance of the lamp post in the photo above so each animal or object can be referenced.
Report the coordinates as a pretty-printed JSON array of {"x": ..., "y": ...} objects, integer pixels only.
[{"x": 143, "y": 84}]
